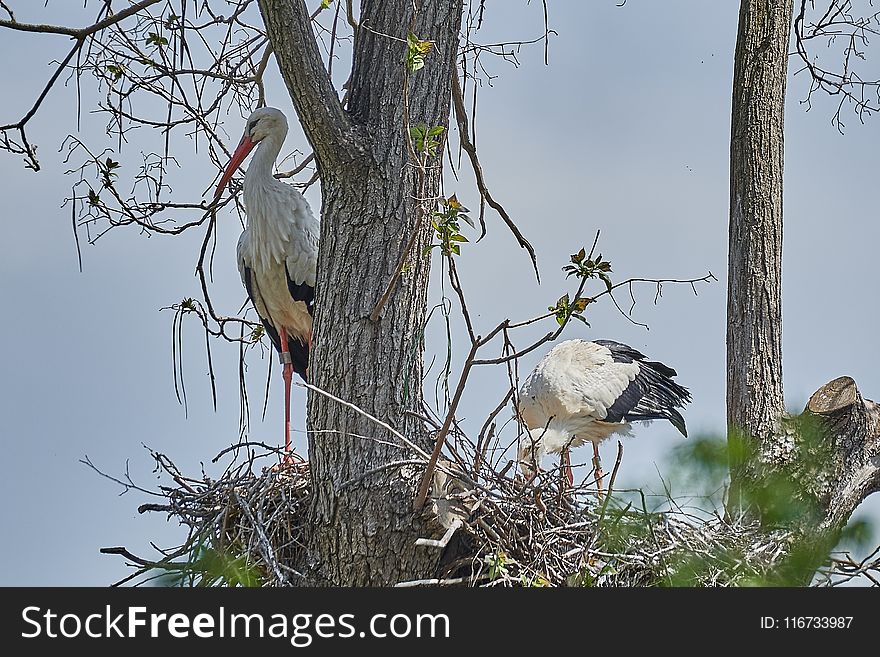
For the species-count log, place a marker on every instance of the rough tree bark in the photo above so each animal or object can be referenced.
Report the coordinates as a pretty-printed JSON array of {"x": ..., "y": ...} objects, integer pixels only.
[
  {"x": 365, "y": 534},
  {"x": 754, "y": 302}
]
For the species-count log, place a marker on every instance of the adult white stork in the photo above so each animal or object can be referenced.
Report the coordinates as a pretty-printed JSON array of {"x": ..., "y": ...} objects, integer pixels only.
[
  {"x": 587, "y": 391},
  {"x": 278, "y": 251}
]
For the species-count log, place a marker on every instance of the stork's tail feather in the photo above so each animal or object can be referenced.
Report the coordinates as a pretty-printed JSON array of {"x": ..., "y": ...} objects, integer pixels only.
[
  {"x": 677, "y": 421},
  {"x": 662, "y": 398},
  {"x": 299, "y": 353}
]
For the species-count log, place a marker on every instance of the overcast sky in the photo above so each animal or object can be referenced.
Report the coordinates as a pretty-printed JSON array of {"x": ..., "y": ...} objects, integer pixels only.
[{"x": 626, "y": 131}]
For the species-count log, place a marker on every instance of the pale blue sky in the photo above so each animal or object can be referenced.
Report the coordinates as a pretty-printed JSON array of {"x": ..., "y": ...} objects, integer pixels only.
[{"x": 626, "y": 130}]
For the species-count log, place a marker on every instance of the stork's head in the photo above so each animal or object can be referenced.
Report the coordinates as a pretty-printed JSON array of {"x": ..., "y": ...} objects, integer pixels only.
[
  {"x": 530, "y": 452},
  {"x": 266, "y": 122},
  {"x": 537, "y": 443}
]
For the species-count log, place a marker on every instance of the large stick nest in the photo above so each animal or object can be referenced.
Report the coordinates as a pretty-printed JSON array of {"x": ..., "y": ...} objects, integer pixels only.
[{"x": 250, "y": 527}]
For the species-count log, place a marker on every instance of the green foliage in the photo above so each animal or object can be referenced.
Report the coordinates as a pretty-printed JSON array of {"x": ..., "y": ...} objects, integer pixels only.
[
  {"x": 585, "y": 267},
  {"x": 446, "y": 225},
  {"x": 566, "y": 308},
  {"x": 416, "y": 49},
  {"x": 155, "y": 39},
  {"x": 108, "y": 171},
  {"x": 257, "y": 334},
  {"x": 210, "y": 566},
  {"x": 858, "y": 534},
  {"x": 776, "y": 543},
  {"x": 325, "y": 4},
  {"x": 116, "y": 71},
  {"x": 497, "y": 565},
  {"x": 787, "y": 498},
  {"x": 537, "y": 580},
  {"x": 426, "y": 139}
]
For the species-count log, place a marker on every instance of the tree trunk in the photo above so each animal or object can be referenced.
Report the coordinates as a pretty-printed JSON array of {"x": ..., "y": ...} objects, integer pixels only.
[
  {"x": 363, "y": 530},
  {"x": 754, "y": 303}
]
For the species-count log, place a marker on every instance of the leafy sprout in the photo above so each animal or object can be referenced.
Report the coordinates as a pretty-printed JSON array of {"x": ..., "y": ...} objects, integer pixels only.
[
  {"x": 566, "y": 308},
  {"x": 116, "y": 71},
  {"x": 497, "y": 565},
  {"x": 584, "y": 266},
  {"x": 426, "y": 139},
  {"x": 155, "y": 39},
  {"x": 446, "y": 224},
  {"x": 416, "y": 51},
  {"x": 108, "y": 171}
]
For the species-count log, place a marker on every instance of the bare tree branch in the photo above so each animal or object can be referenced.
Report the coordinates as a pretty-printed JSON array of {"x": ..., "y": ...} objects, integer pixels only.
[
  {"x": 83, "y": 32},
  {"x": 467, "y": 144}
]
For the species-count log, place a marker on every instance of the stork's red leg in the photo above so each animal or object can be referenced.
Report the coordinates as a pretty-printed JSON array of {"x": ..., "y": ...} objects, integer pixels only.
[
  {"x": 566, "y": 467},
  {"x": 597, "y": 468},
  {"x": 288, "y": 377}
]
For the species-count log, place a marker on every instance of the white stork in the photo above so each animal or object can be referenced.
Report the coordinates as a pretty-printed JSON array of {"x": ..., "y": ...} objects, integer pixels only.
[
  {"x": 586, "y": 391},
  {"x": 278, "y": 251}
]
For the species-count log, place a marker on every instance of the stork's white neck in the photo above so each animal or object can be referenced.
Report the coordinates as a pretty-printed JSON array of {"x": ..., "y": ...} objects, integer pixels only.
[
  {"x": 260, "y": 170},
  {"x": 276, "y": 212}
]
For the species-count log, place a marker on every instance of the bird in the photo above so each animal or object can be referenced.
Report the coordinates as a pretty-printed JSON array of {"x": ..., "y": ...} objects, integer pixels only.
[
  {"x": 586, "y": 391},
  {"x": 277, "y": 251}
]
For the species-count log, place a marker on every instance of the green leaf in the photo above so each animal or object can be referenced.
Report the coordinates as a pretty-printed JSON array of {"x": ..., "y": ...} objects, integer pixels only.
[
  {"x": 416, "y": 51},
  {"x": 256, "y": 334},
  {"x": 436, "y": 130},
  {"x": 457, "y": 237},
  {"x": 116, "y": 71},
  {"x": 155, "y": 39}
]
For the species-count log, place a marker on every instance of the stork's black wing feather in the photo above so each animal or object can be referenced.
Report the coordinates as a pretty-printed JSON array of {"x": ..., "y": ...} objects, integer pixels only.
[
  {"x": 621, "y": 353},
  {"x": 652, "y": 395},
  {"x": 301, "y": 291},
  {"x": 299, "y": 352}
]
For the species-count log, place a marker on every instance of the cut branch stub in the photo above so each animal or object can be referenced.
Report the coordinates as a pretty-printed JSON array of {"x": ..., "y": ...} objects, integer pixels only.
[
  {"x": 840, "y": 406},
  {"x": 851, "y": 424}
]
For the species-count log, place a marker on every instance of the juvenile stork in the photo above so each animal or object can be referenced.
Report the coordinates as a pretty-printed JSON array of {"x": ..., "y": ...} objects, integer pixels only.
[
  {"x": 586, "y": 391},
  {"x": 278, "y": 251}
]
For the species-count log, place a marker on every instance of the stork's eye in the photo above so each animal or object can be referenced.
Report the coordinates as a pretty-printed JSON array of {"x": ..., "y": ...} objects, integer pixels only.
[{"x": 253, "y": 124}]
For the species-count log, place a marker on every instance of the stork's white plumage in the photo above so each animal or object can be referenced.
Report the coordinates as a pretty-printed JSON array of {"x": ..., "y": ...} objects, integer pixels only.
[
  {"x": 587, "y": 391},
  {"x": 278, "y": 251}
]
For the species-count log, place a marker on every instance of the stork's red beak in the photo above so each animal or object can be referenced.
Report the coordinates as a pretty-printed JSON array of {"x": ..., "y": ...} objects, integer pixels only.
[{"x": 245, "y": 146}]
